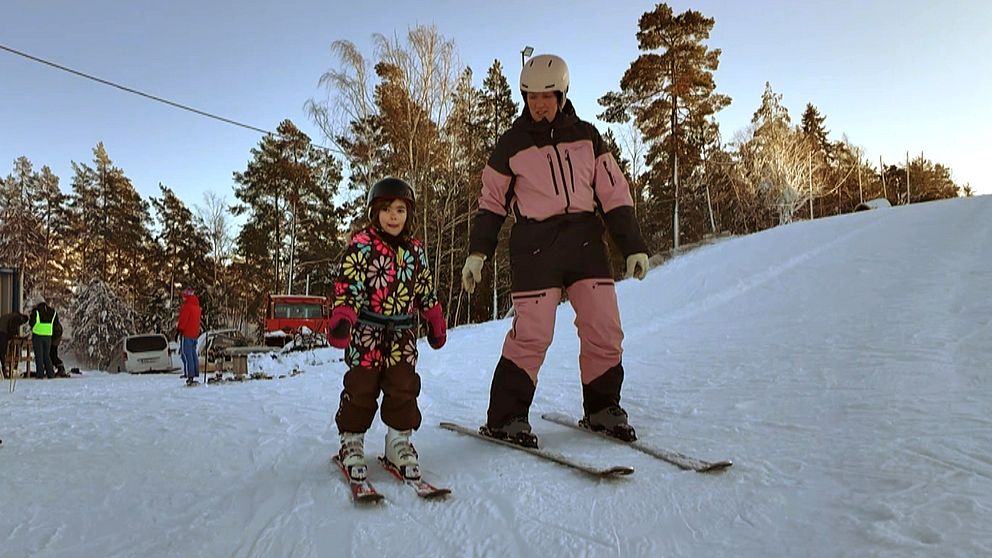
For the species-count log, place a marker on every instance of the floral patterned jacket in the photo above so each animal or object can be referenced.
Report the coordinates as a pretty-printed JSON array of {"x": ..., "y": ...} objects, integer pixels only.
[{"x": 390, "y": 279}]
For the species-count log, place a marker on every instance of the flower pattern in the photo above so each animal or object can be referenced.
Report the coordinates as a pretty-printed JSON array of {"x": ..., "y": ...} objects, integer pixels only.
[
  {"x": 378, "y": 302},
  {"x": 388, "y": 279},
  {"x": 380, "y": 273},
  {"x": 394, "y": 354},
  {"x": 404, "y": 265},
  {"x": 410, "y": 350},
  {"x": 398, "y": 301},
  {"x": 353, "y": 267},
  {"x": 373, "y": 357}
]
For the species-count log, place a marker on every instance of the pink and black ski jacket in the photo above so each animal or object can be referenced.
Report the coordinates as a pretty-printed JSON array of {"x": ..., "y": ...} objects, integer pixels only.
[{"x": 541, "y": 171}]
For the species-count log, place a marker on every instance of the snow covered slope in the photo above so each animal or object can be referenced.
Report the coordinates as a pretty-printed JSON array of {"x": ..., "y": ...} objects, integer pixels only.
[{"x": 843, "y": 364}]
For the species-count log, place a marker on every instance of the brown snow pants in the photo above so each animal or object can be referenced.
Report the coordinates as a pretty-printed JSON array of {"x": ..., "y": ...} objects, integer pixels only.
[{"x": 399, "y": 385}]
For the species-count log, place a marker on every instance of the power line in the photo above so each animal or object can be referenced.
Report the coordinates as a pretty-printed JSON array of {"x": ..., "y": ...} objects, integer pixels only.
[{"x": 134, "y": 91}]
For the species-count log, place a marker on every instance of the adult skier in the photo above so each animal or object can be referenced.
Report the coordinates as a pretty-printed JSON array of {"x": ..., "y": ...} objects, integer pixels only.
[{"x": 557, "y": 176}]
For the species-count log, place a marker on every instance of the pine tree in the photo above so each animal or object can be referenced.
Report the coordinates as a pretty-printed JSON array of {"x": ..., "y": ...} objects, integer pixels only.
[
  {"x": 215, "y": 220},
  {"x": 87, "y": 232},
  {"x": 180, "y": 258},
  {"x": 100, "y": 319},
  {"x": 22, "y": 241},
  {"x": 771, "y": 117},
  {"x": 50, "y": 205},
  {"x": 670, "y": 95},
  {"x": 814, "y": 128},
  {"x": 496, "y": 111},
  {"x": 463, "y": 133},
  {"x": 287, "y": 193},
  {"x": 496, "y": 107},
  {"x": 110, "y": 223},
  {"x": 776, "y": 162}
]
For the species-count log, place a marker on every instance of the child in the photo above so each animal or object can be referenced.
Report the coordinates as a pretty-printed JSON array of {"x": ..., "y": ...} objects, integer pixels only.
[{"x": 384, "y": 281}]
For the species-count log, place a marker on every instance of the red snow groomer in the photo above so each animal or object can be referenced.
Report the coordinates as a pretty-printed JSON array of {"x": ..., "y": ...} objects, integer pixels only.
[{"x": 298, "y": 319}]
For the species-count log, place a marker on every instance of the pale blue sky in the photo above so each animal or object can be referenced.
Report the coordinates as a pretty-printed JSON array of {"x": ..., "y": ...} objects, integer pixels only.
[{"x": 894, "y": 76}]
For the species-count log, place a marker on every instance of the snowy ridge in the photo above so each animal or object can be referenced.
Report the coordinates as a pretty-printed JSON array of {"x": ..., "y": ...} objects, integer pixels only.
[{"x": 843, "y": 364}]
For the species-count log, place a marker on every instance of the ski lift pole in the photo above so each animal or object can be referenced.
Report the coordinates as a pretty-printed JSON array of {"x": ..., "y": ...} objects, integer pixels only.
[
  {"x": 12, "y": 370},
  {"x": 206, "y": 355}
]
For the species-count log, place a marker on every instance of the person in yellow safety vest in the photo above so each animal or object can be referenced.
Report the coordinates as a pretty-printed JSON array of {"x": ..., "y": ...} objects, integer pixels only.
[{"x": 42, "y": 321}]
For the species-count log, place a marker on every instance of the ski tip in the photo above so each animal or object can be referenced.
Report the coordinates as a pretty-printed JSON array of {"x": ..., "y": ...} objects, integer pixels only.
[
  {"x": 618, "y": 471},
  {"x": 716, "y": 467}
]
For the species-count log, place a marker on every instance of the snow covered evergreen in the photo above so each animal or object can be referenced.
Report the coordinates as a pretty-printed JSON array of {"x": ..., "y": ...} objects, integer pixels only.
[{"x": 100, "y": 319}]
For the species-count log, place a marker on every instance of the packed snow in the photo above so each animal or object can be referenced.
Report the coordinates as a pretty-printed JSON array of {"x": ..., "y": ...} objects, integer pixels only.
[{"x": 843, "y": 364}]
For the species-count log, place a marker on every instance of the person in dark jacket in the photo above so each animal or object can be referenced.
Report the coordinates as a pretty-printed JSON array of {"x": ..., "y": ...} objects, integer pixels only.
[
  {"x": 9, "y": 326},
  {"x": 189, "y": 330},
  {"x": 56, "y": 341},
  {"x": 43, "y": 320},
  {"x": 557, "y": 176}
]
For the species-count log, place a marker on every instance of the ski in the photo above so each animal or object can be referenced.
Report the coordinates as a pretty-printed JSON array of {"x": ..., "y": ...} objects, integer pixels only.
[
  {"x": 680, "y": 460},
  {"x": 604, "y": 472},
  {"x": 423, "y": 488},
  {"x": 362, "y": 492}
]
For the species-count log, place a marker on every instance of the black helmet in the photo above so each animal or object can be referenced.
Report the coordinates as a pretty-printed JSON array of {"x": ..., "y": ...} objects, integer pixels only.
[{"x": 392, "y": 188}]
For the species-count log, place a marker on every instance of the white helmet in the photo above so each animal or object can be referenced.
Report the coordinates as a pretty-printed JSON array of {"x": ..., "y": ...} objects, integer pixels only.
[{"x": 545, "y": 72}]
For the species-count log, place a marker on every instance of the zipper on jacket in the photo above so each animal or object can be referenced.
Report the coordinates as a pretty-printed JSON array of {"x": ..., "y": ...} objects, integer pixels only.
[
  {"x": 568, "y": 200},
  {"x": 571, "y": 171},
  {"x": 609, "y": 174},
  {"x": 551, "y": 167}
]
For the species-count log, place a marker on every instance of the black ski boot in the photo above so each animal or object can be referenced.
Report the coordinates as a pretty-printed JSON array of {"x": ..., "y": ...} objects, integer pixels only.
[
  {"x": 611, "y": 421},
  {"x": 516, "y": 431}
]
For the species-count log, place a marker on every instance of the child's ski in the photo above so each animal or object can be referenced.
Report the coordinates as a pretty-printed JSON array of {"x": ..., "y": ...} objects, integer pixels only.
[
  {"x": 361, "y": 491},
  {"x": 675, "y": 458},
  {"x": 608, "y": 472},
  {"x": 423, "y": 488}
]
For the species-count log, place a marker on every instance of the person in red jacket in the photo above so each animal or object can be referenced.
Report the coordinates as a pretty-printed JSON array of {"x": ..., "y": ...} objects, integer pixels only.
[
  {"x": 557, "y": 176},
  {"x": 189, "y": 331}
]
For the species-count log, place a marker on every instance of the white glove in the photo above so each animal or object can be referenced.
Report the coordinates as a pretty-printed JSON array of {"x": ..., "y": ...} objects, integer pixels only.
[
  {"x": 637, "y": 266},
  {"x": 472, "y": 272}
]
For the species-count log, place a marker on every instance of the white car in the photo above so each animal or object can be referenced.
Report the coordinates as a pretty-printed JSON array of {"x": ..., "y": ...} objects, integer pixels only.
[{"x": 148, "y": 352}]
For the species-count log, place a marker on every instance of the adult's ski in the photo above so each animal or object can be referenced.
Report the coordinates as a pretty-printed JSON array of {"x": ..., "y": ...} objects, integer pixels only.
[
  {"x": 680, "y": 460},
  {"x": 362, "y": 492},
  {"x": 600, "y": 472},
  {"x": 423, "y": 488}
]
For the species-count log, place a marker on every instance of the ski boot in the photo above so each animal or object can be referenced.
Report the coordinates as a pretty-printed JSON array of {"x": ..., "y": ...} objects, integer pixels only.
[
  {"x": 516, "y": 431},
  {"x": 401, "y": 454},
  {"x": 611, "y": 421},
  {"x": 352, "y": 455}
]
